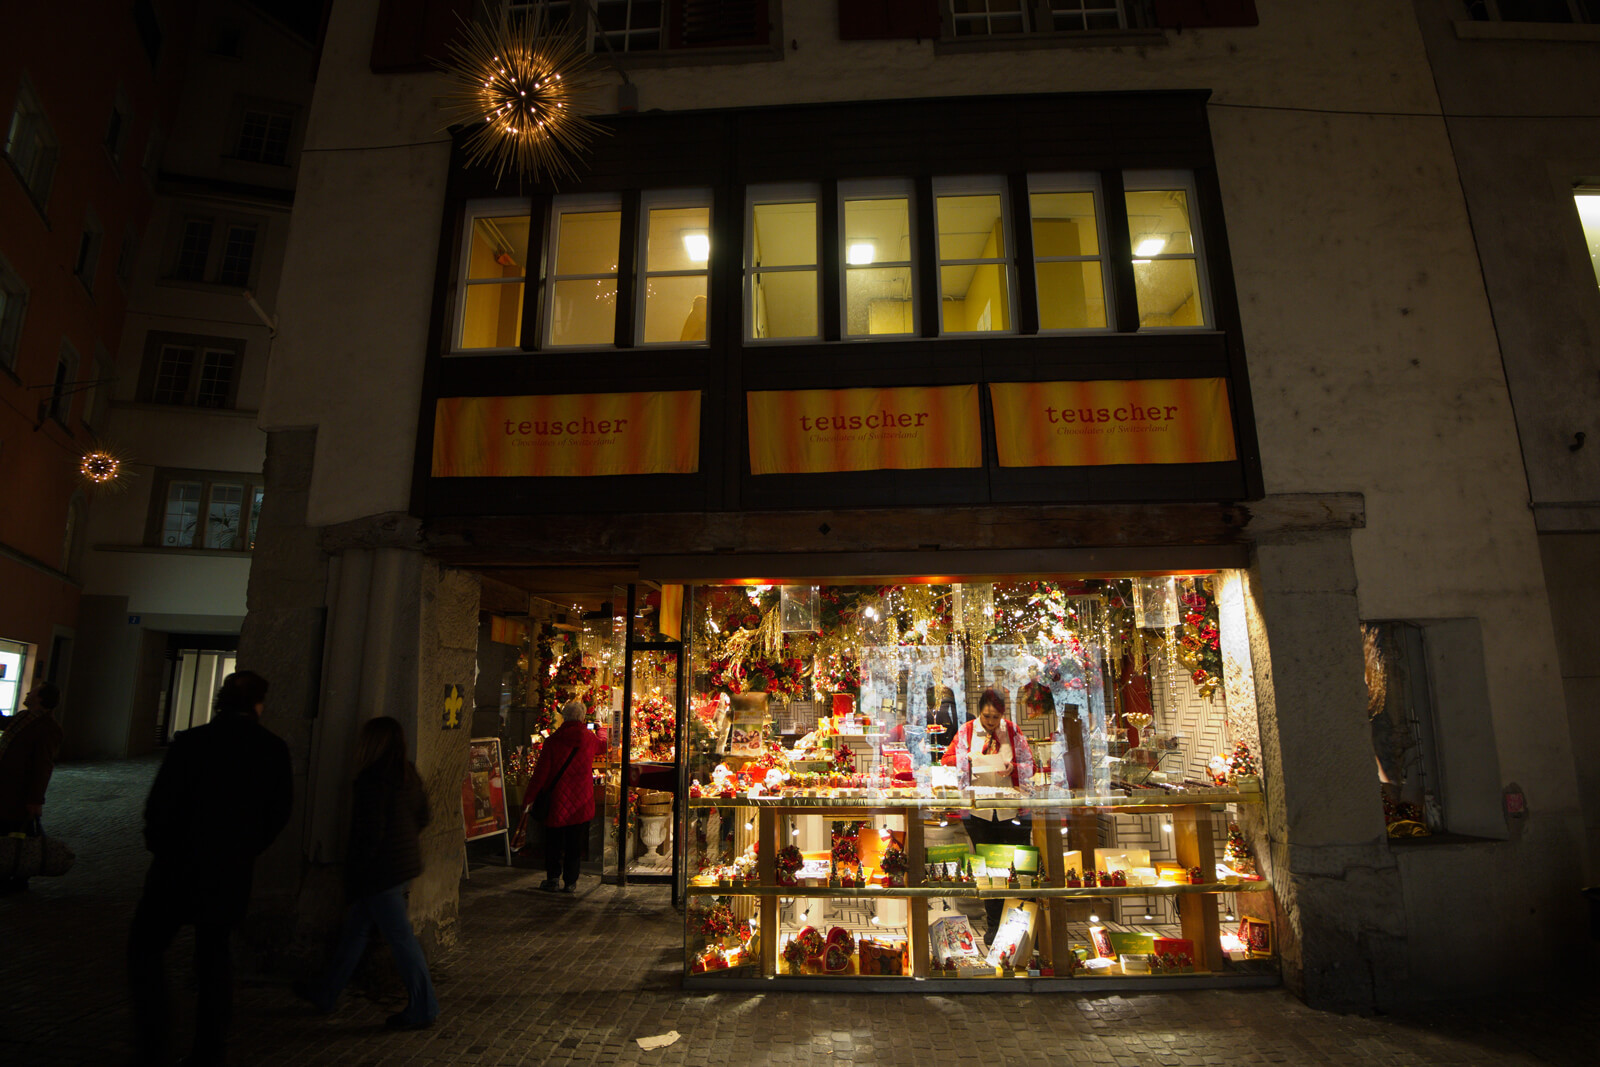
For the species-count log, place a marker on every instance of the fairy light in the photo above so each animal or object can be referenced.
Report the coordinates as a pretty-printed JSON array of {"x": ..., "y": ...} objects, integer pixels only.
[{"x": 100, "y": 467}]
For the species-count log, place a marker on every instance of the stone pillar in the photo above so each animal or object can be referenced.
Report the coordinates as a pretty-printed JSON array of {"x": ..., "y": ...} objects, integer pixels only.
[{"x": 1341, "y": 918}]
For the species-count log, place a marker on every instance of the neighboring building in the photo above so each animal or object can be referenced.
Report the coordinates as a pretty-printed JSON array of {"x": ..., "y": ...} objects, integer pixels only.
[
  {"x": 1514, "y": 79},
  {"x": 1261, "y": 195},
  {"x": 167, "y": 559},
  {"x": 83, "y": 116}
]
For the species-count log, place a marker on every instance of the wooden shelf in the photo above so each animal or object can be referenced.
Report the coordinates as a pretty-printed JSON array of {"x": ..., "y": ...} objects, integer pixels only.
[
  {"x": 974, "y": 892},
  {"x": 834, "y": 804}
]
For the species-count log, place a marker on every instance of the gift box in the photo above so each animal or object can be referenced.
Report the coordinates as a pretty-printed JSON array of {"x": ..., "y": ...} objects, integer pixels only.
[
  {"x": 881, "y": 957},
  {"x": 1174, "y": 946}
]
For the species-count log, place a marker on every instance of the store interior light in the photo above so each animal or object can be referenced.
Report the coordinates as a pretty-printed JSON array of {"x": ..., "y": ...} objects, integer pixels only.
[
  {"x": 1093, "y": 917},
  {"x": 1147, "y": 915},
  {"x": 884, "y": 833},
  {"x": 944, "y": 822},
  {"x": 1063, "y": 831},
  {"x": 874, "y": 920},
  {"x": 698, "y": 245},
  {"x": 749, "y": 824},
  {"x": 1016, "y": 822},
  {"x": 1167, "y": 826},
  {"x": 859, "y": 253},
  {"x": 1151, "y": 245},
  {"x": 1229, "y": 916}
]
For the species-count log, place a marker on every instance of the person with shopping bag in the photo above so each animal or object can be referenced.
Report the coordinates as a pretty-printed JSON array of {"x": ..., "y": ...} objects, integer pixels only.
[{"x": 560, "y": 796}]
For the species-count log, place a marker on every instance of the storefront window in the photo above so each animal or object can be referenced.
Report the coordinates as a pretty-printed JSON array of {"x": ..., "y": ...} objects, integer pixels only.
[
  {"x": 1068, "y": 254},
  {"x": 677, "y": 251},
  {"x": 878, "y": 291},
  {"x": 1166, "y": 271},
  {"x": 971, "y": 780},
  {"x": 491, "y": 299},
  {"x": 974, "y": 258}
]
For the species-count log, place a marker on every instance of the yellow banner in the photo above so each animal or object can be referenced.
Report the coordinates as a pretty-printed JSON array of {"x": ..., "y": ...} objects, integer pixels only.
[
  {"x": 1078, "y": 424},
  {"x": 815, "y": 431},
  {"x": 566, "y": 436}
]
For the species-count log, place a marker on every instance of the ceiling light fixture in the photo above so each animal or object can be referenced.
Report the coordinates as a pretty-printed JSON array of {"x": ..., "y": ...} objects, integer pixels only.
[
  {"x": 859, "y": 253},
  {"x": 1150, "y": 246},
  {"x": 698, "y": 245}
]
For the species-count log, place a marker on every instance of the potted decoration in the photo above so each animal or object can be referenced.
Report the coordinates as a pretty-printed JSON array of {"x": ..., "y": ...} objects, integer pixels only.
[
  {"x": 893, "y": 864},
  {"x": 787, "y": 862},
  {"x": 1242, "y": 773},
  {"x": 794, "y": 956}
]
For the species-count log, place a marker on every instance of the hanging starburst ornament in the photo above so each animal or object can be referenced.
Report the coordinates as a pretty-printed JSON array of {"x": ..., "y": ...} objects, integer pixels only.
[
  {"x": 523, "y": 89},
  {"x": 100, "y": 467}
]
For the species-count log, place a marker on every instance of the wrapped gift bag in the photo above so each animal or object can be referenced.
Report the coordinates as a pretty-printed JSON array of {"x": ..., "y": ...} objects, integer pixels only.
[{"x": 24, "y": 857}]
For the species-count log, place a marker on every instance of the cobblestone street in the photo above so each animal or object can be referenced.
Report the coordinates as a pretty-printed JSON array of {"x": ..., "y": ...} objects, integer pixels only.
[{"x": 541, "y": 978}]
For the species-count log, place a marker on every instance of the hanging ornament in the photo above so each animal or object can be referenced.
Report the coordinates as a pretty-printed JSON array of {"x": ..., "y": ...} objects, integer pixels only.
[
  {"x": 1155, "y": 603},
  {"x": 798, "y": 606},
  {"x": 522, "y": 88},
  {"x": 100, "y": 467}
]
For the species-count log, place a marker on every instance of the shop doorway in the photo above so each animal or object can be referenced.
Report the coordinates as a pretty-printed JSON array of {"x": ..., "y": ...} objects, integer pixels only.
[{"x": 193, "y": 676}]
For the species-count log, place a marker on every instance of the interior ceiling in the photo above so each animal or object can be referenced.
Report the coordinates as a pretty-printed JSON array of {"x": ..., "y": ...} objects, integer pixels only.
[{"x": 585, "y": 587}]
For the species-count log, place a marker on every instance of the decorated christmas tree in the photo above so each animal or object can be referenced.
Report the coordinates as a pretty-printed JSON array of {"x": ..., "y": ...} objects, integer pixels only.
[
  {"x": 1236, "y": 853},
  {"x": 1241, "y": 762}
]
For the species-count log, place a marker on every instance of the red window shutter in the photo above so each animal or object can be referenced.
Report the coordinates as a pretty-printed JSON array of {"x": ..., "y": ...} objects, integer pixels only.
[
  {"x": 412, "y": 34},
  {"x": 718, "y": 23},
  {"x": 1188, "y": 14},
  {"x": 888, "y": 20}
]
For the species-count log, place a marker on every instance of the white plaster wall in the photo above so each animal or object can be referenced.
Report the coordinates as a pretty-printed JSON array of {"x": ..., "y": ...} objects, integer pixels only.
[{"x": 164, "y": 582}]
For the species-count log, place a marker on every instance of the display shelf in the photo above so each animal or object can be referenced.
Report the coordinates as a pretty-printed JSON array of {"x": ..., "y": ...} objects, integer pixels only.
[
  {"x": 803, "y": 805},
  {"x": 975, "y": 892}
]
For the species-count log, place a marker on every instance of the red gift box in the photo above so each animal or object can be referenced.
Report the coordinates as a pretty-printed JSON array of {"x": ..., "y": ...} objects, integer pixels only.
[{"x": 1175, "y": 946}]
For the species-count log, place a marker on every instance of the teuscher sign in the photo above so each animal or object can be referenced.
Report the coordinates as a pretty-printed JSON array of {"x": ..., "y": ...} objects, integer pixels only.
[
  {"x": 1075, "y": 424},
  {"x": 815, "y": 431},
  {"x": 566, "y": 435}
]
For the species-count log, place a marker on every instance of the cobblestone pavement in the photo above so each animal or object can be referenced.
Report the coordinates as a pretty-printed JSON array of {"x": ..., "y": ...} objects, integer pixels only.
[{"x": 539, "y": 978}]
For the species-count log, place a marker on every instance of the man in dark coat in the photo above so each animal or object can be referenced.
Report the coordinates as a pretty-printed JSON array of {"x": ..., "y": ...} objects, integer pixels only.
[
  {"x": 222, "y": 795},
  {"x": 28, "y": 746}
]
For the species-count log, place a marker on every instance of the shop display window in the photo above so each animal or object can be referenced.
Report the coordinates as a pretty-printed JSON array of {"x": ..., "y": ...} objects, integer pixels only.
[{"x": 856, "y": 808}]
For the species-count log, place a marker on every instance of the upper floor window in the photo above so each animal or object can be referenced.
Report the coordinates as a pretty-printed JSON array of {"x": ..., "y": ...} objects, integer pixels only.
[
  {"x": 879, "y": 282},
  {"x": 31, "y": 144},
  {"x": 782, "y": 282},
  {"x": 218, "y": 249},
  {"x": 59, "y": 404},
  {"x": 629, "y": 26},
  {"x": 1069, "y": 243},
  {"x": 204, "y": 509},
  {"x": 117, "y": 125},
  {"x": 496, "y": 257},
  {"x": 975, "y": 283},
  {"x": 89, "y": 242},
  {"x": 13, "y": 302},
  {"x": 1588, "y": 202},
  {"x": 585, "y": 243},
  {"x": 1535, "y": 10},
  {"x": 1166, "y": 251},
  {"x": 677, "y": 251},
  {"x": 264, "y": 135},
  {"x": 985, "y": 18},
  {"x": 190, "y": 370}
]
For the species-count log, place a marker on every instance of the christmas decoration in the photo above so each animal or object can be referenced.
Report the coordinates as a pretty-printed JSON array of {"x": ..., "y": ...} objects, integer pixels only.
[
  {"x": 1200, "y": 646},
  {"x": 1241, "y": 763},
  {"x": 100, "y": 467},
  {"x": 521, "y": 88},
  {"x": 1236, "y": 853}
]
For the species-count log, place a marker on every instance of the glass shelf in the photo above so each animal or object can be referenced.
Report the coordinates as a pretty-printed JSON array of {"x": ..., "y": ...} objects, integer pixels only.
[{"x": 975, "y": 892}]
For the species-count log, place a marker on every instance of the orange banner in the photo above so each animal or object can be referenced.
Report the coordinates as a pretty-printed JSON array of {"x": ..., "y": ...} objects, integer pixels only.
[
  {"x": 1078, "y": 424},
  {"x": 815, "y": 431},
  {"x": 566, "y": 436}
]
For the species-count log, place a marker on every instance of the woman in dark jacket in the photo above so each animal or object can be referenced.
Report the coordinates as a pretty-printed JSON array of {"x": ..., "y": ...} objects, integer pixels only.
[
  {"x": 389, "y": 810},
  {"x": 566, "y": 767}
]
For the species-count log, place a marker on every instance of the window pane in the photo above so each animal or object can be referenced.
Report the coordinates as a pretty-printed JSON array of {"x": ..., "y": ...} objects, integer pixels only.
[
  {"x": 675, "y": 309},
  {"x": 678, "y": 238},
  {"x": 587, "y": 241},
  {"x": 584, "y": 312},
  {"x": 172, "y": 375},
  {"x": 784, "y": 235},
  {"x": 974, "y": 298},
  {"x": 492, "y": 317},
  {"x": 255, "y": 516},
  {"x": 1169, "y": 293},
  {"x": 499, "y": 247},
  {"x": 784, "y": 304},
  {"x": 193, "y": 250},
  {"x": 216, "y": 379},
  {"x": 222, "y": 518},
  {"x": 878, "y": 301},
  {"x": 238, "y": 251},
  {"x": 183, "y": 509},
  {"x": 1064, "y": 224},
  {"x": 1071, "y": 296},
  {"x": 1158, "y": 222},
  {"x": 970, "y": 228},
  {"x": 877, "y": 231},
  {"x": 264, "y": 137},
  {"x": 1589, "y": 214}
]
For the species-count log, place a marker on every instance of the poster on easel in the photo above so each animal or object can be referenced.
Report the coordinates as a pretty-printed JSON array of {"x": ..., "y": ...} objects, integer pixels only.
[{"x": 483, "y": 790}]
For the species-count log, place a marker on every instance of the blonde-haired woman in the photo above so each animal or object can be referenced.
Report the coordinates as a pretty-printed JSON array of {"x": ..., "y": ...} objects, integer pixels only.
[
  {"x": 386, "y": 819},
  {"x": 566, "y": 768}
]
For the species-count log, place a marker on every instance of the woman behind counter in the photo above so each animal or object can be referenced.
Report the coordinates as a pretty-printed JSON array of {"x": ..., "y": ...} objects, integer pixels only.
[
  {"x": 566, "y": 766},
  {"x": 991, "y": 751},
  {"x": 390, "y": 809}
]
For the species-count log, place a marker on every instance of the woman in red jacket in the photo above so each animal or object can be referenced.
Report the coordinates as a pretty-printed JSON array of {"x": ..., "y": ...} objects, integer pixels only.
[{"x": 566, "y": 767}]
